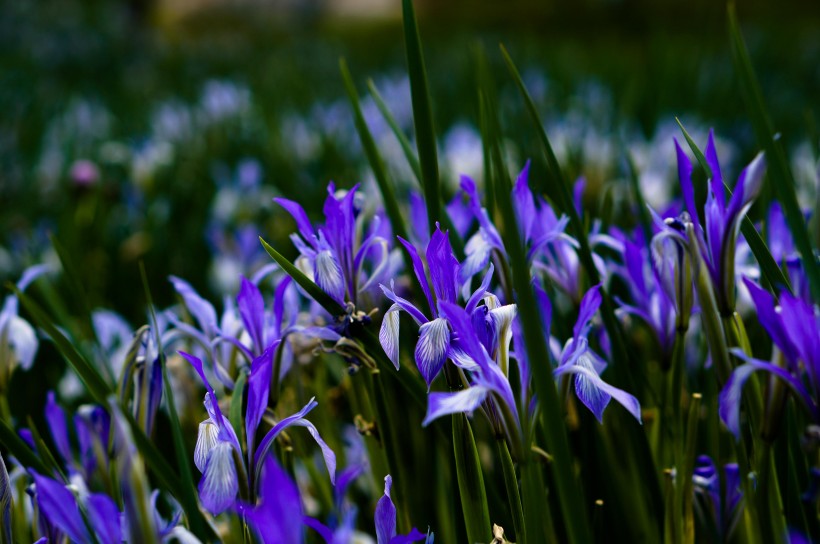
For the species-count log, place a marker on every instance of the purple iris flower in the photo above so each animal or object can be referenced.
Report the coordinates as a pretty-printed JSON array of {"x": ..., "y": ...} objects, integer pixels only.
[
  {"x": 537, "y": 224},
  {"x": 722, "y": 513},
  {"x": 578, "y": 359},
  {"x": 249, "y": 326},
  {"x": 486, "y": 377},
  {"x": 794, "y": 327},
  {"x": 219, "y": 455},
  {"x": 781, "y": 245},
  {"x": 62, "y": 510},
  {"x": 278, "y": 516},
  {"x": 652, "y": 305},
  {"x": 340, "y": 264},
  {"x": 717, "y": 235},
  {"x": 433, "y": 346}
]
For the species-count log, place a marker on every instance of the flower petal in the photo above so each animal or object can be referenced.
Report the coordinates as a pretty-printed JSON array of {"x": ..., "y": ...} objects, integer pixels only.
[
  {"x": 206, "y": 440},
  {"x": 104, "y": 517},
  {"x": 389, "y": 334},
  {"x": 59, "y": 506},
  {"x": 252, "y": 310},
  {"x": 442, "y": 404},
  {"x": 258, "y": 390},
  {"x": 432, "y": 347},
  {"x": 220, "y": 483},
  {"x": 299, "y": 215},
  {"x": 328, "y": 275},
  {"x": 202, "y": 310},
  {"x": 278, "y": 517},
  {"x": 685, "y": 177},
  {"x": 595, "y": 393},
  {"x": 385, "y": 517}
]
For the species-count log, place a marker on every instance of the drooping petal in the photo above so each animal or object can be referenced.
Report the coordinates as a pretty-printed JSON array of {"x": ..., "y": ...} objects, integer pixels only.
[
  {"x": 385, "y": 517},
  {"x": 220, "y": 483},
  {"x": 202, "y": 310},
  {"x": 594, "y": 392},
  {"x": 477, "y": 255},
  {"x": 479, "y": 293},
  {"x": 771, "y": 319},
  {"x": 327, "y": 453},
  {"x": 271, "y": 435},
  {"x": 464, "y": 401},
  {"x": 277, "y": 519},
  {"x": 206, "y": 440},
  {"x": 431, "y": 348},
  {"x": 104, "y": 517},
  {"x": 730, "y": 396},
  {"x": 417, "y": 315},
  {"x": 389, "y": 334},
  {"x": 226, "y": 431},
  {"x": 23, "y": 340}
]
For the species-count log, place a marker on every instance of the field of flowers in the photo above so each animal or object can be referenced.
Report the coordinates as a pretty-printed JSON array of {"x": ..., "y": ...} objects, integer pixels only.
[{"x": 532, "y": 306}]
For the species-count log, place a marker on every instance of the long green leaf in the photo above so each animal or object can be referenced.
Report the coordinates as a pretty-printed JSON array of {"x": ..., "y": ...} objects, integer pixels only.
[
  {"x": 187, "y": 488},
  {"x": 373, "y": 156},
  {"x": 325, "y": 301},
  {"x": 779, "y": 173},
  {"x": 470, "y": 481},
  {"x": 406, "y": 147},
  {"x": 623, "y": 375},
  {"x": 20, "y": 450},
  {"x": 768, "y": 266},
  {"x": 567, "y": 486},
  {"x": 422, "y": 117},
  {"x": 94, "y": 382}
]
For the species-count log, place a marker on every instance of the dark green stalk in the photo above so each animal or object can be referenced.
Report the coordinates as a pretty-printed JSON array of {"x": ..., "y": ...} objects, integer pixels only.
[
  {"x": 391, "y": 205},
  {"x": 513, "y": 494},
  {"x": 470, "y": 481},
  {"x": 686, "y": 484},
  {"x": 780, "y": 176},
  {"x": 406, "y": 147}
]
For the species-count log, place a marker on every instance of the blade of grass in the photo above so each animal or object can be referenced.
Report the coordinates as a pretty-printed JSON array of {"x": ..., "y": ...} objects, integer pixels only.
[
  {"x": 779, "y": 173},
  {"x": 422, "y": 117},
  {"x": 188, "y": 490},
  {"x": 567, "y": 486},
  {"x": 768, "y": 266},
  {"x": 470, "y": 481},
  {"x": 405, "y": 144},
  {"x": 643, "y": 212},
  {"x": 374, "y": 157}
]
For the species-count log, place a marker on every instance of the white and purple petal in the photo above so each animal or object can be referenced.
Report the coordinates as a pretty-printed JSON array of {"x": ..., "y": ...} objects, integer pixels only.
[
  {"x": 464, "y": 401},
  {"x": 431, "y": 348},
  {"x": 220, "y": 482},
  {"x": 389, "y": 334}
]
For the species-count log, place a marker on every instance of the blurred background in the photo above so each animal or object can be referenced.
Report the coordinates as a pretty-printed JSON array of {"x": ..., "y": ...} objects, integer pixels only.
[{"x": 159, "y": 130}]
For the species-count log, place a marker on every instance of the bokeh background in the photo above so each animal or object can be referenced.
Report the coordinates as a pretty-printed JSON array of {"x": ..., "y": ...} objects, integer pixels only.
[{"x": 159, "y": 130}]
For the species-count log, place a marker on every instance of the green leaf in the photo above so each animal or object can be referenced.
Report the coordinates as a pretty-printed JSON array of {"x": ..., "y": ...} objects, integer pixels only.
[
  {"x": 187, "y": 491},
  {"x": 94, "y": 382},
  {"x": 5, "y": 504},
  {"x": 768, "y": 266},
  {"x": 470, "y": 481},
  {"x": 422, "y": 117},
  {"x": 374, "y": 158},
  {"x": 406, "y": 147},
  {"x": 20, "y": 450},
  {"x": 314, "y": 291},
  {"x": 237, "y": 405},
  {"x": 779, "y": 172},
  {"x": 643, "y": 212}
]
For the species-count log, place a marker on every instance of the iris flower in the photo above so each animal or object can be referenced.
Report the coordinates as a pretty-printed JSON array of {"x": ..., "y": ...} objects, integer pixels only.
[
  {"x": 278, "y": 516},
  {"x": 332, "y": 255},
  {"x": 433, "y": 346},
  {"x": 578, "y": 359},
  {"x": 717, "y": 235},
  {"x": 218, "y": 454},
  {"x": 794, "y": 327},
  {"x": 18, "y": 340}
]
